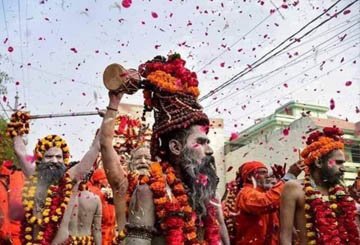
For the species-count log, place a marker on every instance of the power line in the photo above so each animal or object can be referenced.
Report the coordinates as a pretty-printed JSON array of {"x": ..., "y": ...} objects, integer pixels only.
[
  {"x": 258, "y": 63},
  {"x": 236, "y": 42},
  {"x": 305, "y": 84},
  {"x": 299, "y": 74},
  {"x": 279, "y": 69}
]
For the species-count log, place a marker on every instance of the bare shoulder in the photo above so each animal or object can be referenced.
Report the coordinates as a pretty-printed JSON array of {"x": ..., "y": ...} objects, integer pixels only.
[{"x": 293, "y": 188}]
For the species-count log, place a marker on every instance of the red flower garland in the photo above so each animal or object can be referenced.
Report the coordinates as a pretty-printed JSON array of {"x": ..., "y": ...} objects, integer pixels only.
[
  {"x": 53, "y": 212},
  {"x": 177, "y": 219},
  {"x": 330, "y": 222}
]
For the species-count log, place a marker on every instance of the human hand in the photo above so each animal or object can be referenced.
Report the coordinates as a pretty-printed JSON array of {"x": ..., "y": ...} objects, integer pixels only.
[{"x": 297, "y": 167}]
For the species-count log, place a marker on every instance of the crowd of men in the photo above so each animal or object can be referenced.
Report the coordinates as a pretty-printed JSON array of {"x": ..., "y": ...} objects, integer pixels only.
[{"x": 136, "y": 186}]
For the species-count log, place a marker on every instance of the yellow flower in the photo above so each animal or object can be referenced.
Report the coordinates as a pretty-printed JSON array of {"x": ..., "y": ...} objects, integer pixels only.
[
  {"x": 310, "y": 234},
  {"x": 32, "y": 220},
  {"x": 55, "y": 218},
  {"x": 58, "y": 211},
  {"x": 66, "y": 200},
  {"x": 312, "y": 242},
  {"x": 309, "y": 188},
  {"x": 46, "y": 220},
  {"x": 307, "y": 206},
  {"x": 63, "y": 205},
  {"x": 67, "y": 193},
  {"x": 28, "y": 237},
  {"x": 46, "y": 212},
  {"x": 68, "y": 186},
  {"x": 309, "y": 225},
  {"x": 332, "y": 197},
  {"x": 333, "y": 206},
  {"x": 28, "y": 229},
  {"x": 39, "y": 221}
]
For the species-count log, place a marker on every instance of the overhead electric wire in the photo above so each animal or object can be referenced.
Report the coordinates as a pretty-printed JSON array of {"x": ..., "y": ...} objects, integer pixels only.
[
  {"x": 282, "y": 67},
  {"x": 258, "y": 63},
  {"x": 297, "y": 75},
  {"x": 294, "y": 90}
]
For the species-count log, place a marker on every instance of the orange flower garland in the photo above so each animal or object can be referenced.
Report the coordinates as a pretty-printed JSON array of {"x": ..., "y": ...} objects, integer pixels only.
[
  {"x": 321, "y": 147},
  {"x": 52, "y": 212},
  {"x": 176, "y": 217}
]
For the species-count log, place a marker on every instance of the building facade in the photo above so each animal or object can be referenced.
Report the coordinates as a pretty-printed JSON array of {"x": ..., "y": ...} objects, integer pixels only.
[{"x": 278, "y": 138}]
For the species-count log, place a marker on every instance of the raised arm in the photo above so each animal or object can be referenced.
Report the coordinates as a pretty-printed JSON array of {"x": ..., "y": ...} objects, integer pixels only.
[
  {"x": 16, "y": 128},
  {"x": 111, "y": 161},
  {"x": 256, "y": 202},
  {"x": 287, "y": 212},
  {"x": 79, "y": 171},
  {"x": 96, "y": 225}
]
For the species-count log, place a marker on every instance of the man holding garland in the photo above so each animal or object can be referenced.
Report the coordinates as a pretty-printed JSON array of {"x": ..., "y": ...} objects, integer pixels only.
[
  {"x": 48, "y": 214},
  {"x": 176, "y": 202},
  {"x": 320, "y": 208}
]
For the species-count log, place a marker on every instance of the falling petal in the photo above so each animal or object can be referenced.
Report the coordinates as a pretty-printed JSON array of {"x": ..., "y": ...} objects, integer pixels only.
[
  {"x": 126, "y": 3},
  {"x": 348, "y": 83},
  {"x": 332, "y": 104},
  {"x": 154, "y": 15},
  {"x": 10, "y": 49}
]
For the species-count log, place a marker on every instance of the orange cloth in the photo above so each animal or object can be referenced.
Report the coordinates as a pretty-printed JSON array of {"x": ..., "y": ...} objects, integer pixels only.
[
  {"x": 108, "y": 216},
  {"x": 249, "y": 167},
  {"x": 11, "y": 203},
  {"x": 258, "y": 222}
]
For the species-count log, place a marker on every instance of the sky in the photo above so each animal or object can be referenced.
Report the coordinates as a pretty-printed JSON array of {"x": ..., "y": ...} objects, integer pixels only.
[{"x": 56, "y": 51}]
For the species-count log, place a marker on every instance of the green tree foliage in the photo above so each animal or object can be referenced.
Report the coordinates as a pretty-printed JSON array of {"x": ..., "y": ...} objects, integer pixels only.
[{"x": 6, "y": 145}]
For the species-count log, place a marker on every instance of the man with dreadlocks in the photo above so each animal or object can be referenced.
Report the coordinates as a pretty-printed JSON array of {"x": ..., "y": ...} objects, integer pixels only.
[
  {"x": 48, "y": 214},
  {"x": 320, "y": 207},
  {"x": 176, "y": 202}
]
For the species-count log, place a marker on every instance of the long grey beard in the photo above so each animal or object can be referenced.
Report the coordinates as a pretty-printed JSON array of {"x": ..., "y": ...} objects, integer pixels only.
[
  {"x": 200, "y": 194},
  {"x": 50, "y": 173}
]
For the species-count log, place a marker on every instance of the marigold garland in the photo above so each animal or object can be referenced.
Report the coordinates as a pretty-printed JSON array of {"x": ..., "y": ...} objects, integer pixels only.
[
  {"x": 329, "y": 222},
  {"x": 170, "y": 75},
  {"x": 51, "y": 214},
  {"x": 176, "y": 218},
  {"x": 19, "y": 124},
  {"x": 316, "y": 150},
  {"x": 322, "y": 143},
  {"x": 50, "y": 141}
]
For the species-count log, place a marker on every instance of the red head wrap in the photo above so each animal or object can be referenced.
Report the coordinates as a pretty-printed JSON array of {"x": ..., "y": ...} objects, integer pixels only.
[{"x": 249, "y": 167}]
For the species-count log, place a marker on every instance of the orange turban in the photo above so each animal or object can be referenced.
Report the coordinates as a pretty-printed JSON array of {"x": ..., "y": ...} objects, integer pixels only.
[
  {"x": 322, "y": 143},
  {"x": 249, "y": 167},
  {"x": 98, "y": 175}
]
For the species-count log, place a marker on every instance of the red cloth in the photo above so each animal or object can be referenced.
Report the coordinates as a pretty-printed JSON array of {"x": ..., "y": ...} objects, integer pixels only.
[
  {"x": 11, "y": 203},
  {"x": 258, "y": 222},
  {"x": 98, "y": 175},
  {"x": 249, "y": 167},
  {"x": 108, "y": 216}
]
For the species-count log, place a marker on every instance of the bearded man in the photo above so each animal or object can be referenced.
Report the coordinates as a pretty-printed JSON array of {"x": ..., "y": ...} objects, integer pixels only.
[
  {"x": 48, "y": 214},
  {"x": 177, "y": 202},
  {"x": 319, "y": 207},
  {"x": 257, "y": 204},
  {"x": 123, "y": 155}
]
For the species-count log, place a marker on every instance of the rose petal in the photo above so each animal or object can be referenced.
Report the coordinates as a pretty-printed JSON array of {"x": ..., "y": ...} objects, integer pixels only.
[{"x": 154, "y": 15}]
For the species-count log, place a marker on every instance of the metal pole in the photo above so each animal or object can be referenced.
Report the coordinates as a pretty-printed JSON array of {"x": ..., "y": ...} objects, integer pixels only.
[{"x": 71, "y": 114}]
